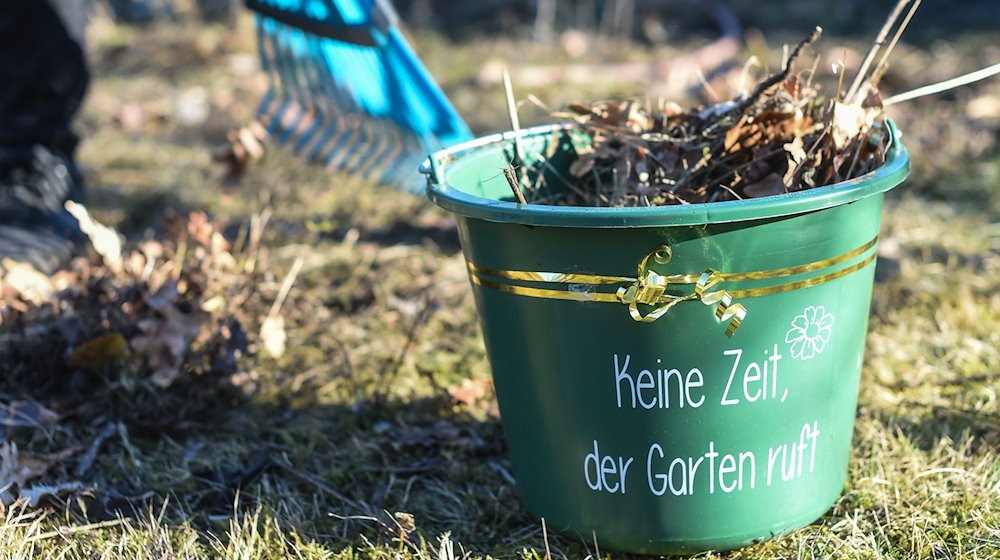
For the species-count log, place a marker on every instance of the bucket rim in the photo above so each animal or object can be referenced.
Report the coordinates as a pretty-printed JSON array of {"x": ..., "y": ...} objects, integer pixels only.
[{"x": 888, "y": 175}]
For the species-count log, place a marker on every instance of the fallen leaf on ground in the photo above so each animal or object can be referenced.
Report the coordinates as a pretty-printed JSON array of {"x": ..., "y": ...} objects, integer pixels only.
[
  {"x": 37, "y": 495},
  {"x": 469, "y": 392},
  {"x": 105, "y": 240},
  {"x": 16, "y": 469},
  {"x": 26, "y": 281},
  {"x": 165, "y": 340},
  {"x": 25, "y": 414},
  {"x": 100, "y": 352},
  {"x": 407, "y": 523},
  {"x": 272, "y": 335}
]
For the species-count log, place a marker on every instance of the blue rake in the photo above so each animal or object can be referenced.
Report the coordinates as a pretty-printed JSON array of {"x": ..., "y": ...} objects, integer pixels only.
[{"x": 346, "y": 90}]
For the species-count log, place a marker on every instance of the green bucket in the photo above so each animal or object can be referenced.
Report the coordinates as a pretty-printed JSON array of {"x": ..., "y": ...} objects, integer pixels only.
[{"x": 631, "y": 416}]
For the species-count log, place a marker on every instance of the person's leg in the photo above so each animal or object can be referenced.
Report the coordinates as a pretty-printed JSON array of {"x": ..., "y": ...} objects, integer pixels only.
[
  {"x": 43, "y": 72},
  {"x": 43, "y": 78}
]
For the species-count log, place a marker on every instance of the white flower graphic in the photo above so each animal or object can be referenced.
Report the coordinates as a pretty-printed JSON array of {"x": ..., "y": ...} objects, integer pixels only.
[{"x": 810, "y": 332}]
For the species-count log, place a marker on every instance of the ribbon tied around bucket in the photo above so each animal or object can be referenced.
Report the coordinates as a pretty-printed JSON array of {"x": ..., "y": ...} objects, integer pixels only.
[{"x": 650, "y": 288}]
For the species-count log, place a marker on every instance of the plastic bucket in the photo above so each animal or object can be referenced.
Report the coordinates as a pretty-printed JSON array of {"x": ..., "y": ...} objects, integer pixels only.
[{"x": 631, "y": 416}]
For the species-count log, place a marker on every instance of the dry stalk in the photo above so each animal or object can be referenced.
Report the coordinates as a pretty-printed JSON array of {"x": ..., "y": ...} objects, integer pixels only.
[
  {"x": 883, "y": 63},
  {"x": 781, "y": 76},
  {"x": 946, "y": 85},
  {"x": 510, "y": 172},
  {"x": 879, "y": 41}
]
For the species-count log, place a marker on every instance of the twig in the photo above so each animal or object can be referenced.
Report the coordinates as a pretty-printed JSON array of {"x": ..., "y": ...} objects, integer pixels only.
[
  {"x": 745, "y": 73},
  {"x": 879, "y": 41},
  {"x": 286, "y": 287},
  {"x": 704, "y": 83},
  {"x": 779, "y": 77},
  {"x": 320, "y": 485},
  {"x": 90, "y": 456},
  {"x": 812, "y": 70},
  {"x": 883, "y": 63},
  {"x": 944, "y": 86},
  {"x": 856, "y": 158},
  {"x": 510, "y": 172},
  {"x": 730, "y": 191},
  {"x": 67, "y": 531},
  {"x": 545, "y": 537}
]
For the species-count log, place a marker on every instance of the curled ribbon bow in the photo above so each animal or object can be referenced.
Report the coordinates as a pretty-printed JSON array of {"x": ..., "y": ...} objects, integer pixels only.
[{"x": 650, "y": 288}]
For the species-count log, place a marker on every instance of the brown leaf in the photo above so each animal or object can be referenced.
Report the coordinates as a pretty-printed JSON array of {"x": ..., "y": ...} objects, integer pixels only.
[
  {"x": 406, "y": 521},
  {"x": 165, "y": 340},
  {"x": 199, "y": 228},
  {"x": 26, "y": 414},
  {"x": 246, "y": 145},
  {"x": 100, "y": 352},
  {"x": 469, "y": 391},
  {"x": 475, "y": 394},
  {"x": 16, "y": 469},
  {"x": 26, "y": 282},
  {"x": 742, "y": 135}
]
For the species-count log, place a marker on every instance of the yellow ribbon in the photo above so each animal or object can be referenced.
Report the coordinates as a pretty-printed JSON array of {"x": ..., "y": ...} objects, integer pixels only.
[{"x": 649, "y": 287}]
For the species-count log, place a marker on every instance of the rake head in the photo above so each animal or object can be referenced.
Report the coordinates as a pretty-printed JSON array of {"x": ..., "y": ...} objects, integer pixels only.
[{"x": 347, "y": 91}]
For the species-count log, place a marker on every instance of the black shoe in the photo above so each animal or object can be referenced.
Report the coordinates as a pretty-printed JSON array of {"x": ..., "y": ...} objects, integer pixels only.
[{"x": 34, "y": 225}]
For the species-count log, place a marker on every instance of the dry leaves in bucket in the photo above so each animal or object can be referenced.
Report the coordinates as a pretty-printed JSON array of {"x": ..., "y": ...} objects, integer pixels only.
[{"x": 784, "y": 135}]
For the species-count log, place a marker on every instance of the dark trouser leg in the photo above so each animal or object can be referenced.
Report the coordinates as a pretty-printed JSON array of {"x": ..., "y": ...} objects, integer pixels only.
[
  {"x": 43, "y": 78},
  {"x": 43, "y": 74}
]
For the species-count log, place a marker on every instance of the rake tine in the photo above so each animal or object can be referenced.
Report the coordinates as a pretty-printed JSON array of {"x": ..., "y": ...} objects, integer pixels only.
[
  {"x": 289, "y": 79},
  {"x": 404, "y": 171},
  {"x": 366, "y": 146},
  {"x": 378, "y": 162},
  {"x": 308, "y": 94},
  {"x": 335, "y": 158},
  {"x": 264, "y": 107},
  {"x": 363, "y": 139},
  {"x": 332, "y": 98},
  {"x": 343, "y": 97},
  {"x": 385, "y": 127},
  {"x": 392, "y": 167},
  {"x": 380, "y": 144},
  {"x": 279, "y": 115},
  {"x": 301, "y": 117}
]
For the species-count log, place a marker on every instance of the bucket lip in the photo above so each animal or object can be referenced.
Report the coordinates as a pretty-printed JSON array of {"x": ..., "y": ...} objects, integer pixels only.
[{"x": 888, "y": 175}]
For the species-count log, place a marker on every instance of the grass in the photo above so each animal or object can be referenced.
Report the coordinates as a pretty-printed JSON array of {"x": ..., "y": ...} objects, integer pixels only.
[{"x": 356, "y": 420}]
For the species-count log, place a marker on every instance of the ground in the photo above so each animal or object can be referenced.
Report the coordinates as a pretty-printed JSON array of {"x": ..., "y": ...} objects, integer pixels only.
[{"x": 375, "y": 433}]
